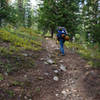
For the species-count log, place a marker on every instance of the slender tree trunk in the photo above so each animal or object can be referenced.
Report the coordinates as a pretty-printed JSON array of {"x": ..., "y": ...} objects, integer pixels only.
[{"x": 52, "y": 32}]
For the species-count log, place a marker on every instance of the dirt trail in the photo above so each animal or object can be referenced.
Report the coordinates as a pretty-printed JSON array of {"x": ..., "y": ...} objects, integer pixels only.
[
  {"x": 72, "y": 85},
  {"x": 69, "y": 89},
  {"x": 54, "y": 77}
]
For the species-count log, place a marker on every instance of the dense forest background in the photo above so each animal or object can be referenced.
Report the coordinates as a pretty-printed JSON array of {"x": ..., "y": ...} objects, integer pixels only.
[{"x": 78, "y": 16}]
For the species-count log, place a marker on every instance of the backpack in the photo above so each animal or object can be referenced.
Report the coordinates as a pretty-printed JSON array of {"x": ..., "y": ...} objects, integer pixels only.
[
  {"x": 62, "y": 34},
  {"x": 65, "y": 36}
]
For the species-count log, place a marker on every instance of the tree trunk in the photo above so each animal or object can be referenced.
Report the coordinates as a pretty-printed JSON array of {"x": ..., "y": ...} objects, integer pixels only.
[{"x": 52, "y": 32}]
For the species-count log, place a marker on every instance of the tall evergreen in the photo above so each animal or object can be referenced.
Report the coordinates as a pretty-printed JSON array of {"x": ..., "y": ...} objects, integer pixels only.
[{"x": 59, "y": 13}]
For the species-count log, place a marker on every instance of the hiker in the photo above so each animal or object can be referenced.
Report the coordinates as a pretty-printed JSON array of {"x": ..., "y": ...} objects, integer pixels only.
[{"x": 61, "y": 38}]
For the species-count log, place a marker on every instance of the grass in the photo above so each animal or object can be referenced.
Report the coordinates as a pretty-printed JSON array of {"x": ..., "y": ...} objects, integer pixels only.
[
  {"x": 1, "y": 77},
  {"x": 18, "y": 41},
  {"x": 15, "y": 44},
  {"x": 10, "y": 93},
  {"x": 87, "y": 51}
]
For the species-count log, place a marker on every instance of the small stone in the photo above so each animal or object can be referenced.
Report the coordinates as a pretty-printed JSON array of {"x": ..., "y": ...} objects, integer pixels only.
[
  {"x": 25, "y": 97},
  {"x": 74, "y": 90},
  {"x": 64, "y": 93},
  {"x": 57, "y": 90},
  {"x": 6, "y": 73},
  {"x": 25, "y": 54},
  {"x": 56, "y": 78},
  {"x": 45, "y": 63},
  {"x": 62, "y": 67},
  {"x": 46, "y": 74},
  {"x": 58, "y": 58},
  {"x": 67, "y": 90},
  {"x": 56, "y": 71},
  {"x": 42, "y": 59},
  {"x": 72, "y": 82},
  {"x": 59, "y": 69},
  {"x": 49, "y": 55},
  {"x": 50, "y": 61},
  {"x": 25, "y": 76},
  {"x": 47, "y": 38},
  {"x": 8, "y": 84},
  {"x": 54, "y": 65},
  {"x": 30, "y": 99},
  {"x": 40, "y": 78},
  {"x": 20, "y": 95},
  {"x": 61, "y": 61},
  {"x": 56, "y": 95}
]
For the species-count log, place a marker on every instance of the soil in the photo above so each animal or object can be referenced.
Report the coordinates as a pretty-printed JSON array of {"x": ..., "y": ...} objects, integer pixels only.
[{"x": 78, "y": 82}]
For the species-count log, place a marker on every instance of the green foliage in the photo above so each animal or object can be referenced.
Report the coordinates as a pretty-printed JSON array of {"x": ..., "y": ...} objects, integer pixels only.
[
  {"x": 1, "y": 77},
  {"x": 19, "y": 41},
  {"x": 8, "y": 68},
  {"x": 17, "y": 83},
  {"x": 58, "y": 13},
  {"x": 8, "y": 13},
  {"x": 96, "y": 33},
  {"x": 18, "y": 14},
  {"x": 77, "y": 36},
  {"x": 92, "y": 55},
  {"x": 10, "y": 93},
  {"x": 13, "y": 45},
  {"x": 90, "y": 20}
]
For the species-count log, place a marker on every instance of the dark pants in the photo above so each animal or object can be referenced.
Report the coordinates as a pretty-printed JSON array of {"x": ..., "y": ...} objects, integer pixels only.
[{"x": 61, "y": 46}]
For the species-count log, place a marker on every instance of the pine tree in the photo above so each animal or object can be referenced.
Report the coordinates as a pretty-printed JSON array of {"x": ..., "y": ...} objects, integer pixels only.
[{"x": 59, "y": 13}]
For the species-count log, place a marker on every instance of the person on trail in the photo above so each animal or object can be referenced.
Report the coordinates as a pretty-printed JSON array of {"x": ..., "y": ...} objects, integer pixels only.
[{"x": 61, "y": 38}]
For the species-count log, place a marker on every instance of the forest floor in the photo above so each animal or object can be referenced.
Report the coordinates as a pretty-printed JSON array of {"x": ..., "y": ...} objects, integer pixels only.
[{"x": 54, "y": 77}]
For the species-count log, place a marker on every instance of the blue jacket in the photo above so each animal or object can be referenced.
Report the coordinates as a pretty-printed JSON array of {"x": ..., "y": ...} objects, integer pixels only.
[{"x": 59, "y": 35}]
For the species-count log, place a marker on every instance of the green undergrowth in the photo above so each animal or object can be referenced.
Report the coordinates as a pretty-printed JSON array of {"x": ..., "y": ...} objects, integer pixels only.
[
  {"x": 18, "y": 48},
  {"x": 91, "y": 54},
  {"x": 18, "y": 39}
]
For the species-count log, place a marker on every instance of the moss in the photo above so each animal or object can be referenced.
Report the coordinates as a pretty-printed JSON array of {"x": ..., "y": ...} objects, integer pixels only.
[{"x": 17, "y": 83}]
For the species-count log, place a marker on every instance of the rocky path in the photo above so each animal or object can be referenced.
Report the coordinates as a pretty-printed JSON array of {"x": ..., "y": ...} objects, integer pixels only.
[
  {"x": 69, "y": 71},
  {"x": 54, "y": 77}
]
